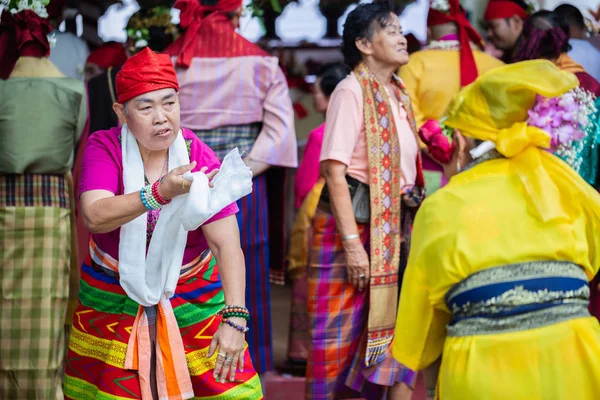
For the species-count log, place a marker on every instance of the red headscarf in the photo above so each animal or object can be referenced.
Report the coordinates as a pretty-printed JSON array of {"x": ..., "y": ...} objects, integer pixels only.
[
  {"x": 500, "y": 9},
  {"x": 110, "y": 54},
  {"x": 209, "y": 33},
  {"x": 24, "y": 34},
  {"x": 466, "y": 34},
  {"x": 145, "y": 72}
]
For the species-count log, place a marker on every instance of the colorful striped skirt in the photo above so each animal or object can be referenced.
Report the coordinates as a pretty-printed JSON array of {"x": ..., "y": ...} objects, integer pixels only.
[
  {"x": 254, "y": 234},
  {"x": 300, "y": 242},
  {"x": 338, "y": 315},
  {"x": 35, "y": 250},
  {"x": 103, "y": 323}
]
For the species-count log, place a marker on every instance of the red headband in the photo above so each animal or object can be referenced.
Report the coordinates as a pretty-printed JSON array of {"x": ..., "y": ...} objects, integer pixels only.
[
  {"x": 24, "y": 34},
  {"x": 145, "y": 72},
  {"x": 108, "y": 55},
  {"x": 500, "y": 9},
  {"x": 466, "y": 33},
  {"x": 191, "y": 17}
]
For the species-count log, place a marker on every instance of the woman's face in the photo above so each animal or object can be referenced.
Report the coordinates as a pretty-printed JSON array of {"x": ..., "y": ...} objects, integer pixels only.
[
  {"x": 388, "y": 45},
  {"x": 153, "y": 118},
  {"x": 320, "y": 101}
]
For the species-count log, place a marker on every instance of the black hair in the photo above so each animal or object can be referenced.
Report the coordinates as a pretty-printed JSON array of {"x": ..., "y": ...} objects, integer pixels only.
[
  {"x": 159, "y": 37},
  {"x": 362, "y": 23},
  {"x": 571, "y": 14},
  {"x": 330, "y": 75},
  {"x": 545, "y": 35}
]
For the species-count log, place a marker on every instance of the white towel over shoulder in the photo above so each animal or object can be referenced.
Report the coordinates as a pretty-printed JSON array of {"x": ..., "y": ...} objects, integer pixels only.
[{"x": 147, "y": 279}]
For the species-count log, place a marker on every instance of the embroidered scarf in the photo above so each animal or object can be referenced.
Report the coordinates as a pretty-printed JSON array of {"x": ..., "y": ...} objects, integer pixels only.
[{"x": 384, "y": 180}]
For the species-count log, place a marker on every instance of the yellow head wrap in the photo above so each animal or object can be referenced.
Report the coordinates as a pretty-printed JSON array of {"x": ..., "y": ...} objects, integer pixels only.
[{"x": 494, "y": 108}]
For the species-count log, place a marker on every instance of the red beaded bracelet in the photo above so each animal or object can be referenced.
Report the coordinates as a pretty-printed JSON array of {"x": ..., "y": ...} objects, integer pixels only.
[{"x": 157, "y": 195}]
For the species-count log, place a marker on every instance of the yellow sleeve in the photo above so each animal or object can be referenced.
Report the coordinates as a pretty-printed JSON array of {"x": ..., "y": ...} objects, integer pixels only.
[
  {"x": 420, "y": 326},
  {"x": 411, "y": 74}
]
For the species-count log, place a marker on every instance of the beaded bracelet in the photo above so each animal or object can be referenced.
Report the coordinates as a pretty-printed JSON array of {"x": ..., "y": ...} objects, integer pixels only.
[
  {"x": 145, "y": 200},
  {"x": 235, "y": 311},
  {"x": 161, "y": 200},
  {"x": 151, "y": 199},
  {"x": 233, "y": 314},
  {"x": 239, "y": 328}
]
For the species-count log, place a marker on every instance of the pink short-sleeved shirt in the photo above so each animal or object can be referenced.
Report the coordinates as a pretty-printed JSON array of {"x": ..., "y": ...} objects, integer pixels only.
[
  {"x": 102, "y": 169},
  {"x": 309, "y": 169},
  {"x": 345, "y": 138}
]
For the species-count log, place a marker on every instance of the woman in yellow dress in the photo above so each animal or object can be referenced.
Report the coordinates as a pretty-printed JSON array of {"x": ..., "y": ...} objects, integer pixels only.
[{"x": 497, "y": 279}]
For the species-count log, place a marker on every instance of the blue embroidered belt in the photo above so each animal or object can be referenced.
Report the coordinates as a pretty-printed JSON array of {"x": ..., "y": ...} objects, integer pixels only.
[{"x": 518, "y": 297}]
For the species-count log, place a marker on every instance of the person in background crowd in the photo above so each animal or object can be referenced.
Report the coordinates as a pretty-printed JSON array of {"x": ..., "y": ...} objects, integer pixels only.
[
  {"x": 503, "y": 20},
  {"x": 69, "y": 52},
  {"x": 42, "y": 114},
  {"x": 582, "y": 51},
  {"x": 546, "y": 35},
  {"x": 452, "y": 59},
  {"x": 308, "y": 186},
  {"x": 361, "y": 230},
  {"x": 146, "y": 28},
  {"x": 166, "y": 302},
  {"x": 234, "y": 94},
  {"x": 110, "y": 54},
  {"x": 507, "y": 316}
]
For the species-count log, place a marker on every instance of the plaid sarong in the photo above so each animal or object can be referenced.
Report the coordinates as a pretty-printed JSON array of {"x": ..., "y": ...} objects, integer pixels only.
[
  {"x": 338, "y": 315},
  {"x": 35, "y": 247},
  {"x": 225, "y": 138}
]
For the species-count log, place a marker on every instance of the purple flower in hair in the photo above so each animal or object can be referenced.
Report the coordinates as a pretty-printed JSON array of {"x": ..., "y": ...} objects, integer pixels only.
[{"x": 564, "y": 118}]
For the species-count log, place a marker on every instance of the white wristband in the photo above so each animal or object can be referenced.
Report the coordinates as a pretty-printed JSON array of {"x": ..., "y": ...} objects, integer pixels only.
[{"x": 350, "y": 237}]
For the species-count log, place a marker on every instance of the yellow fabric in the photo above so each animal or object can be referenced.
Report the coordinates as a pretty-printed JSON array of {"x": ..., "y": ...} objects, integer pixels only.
[
  {"x": 432, "y": 78},
  {"x": 34, "y": 67},
  {"x": 482, "y": 219},
  {"x": 299, "y": 237},
  {"x": 495, "y": 106}
]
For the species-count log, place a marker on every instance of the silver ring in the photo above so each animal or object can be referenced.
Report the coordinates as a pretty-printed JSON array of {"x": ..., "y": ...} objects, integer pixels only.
[
  {"x": 228, "y": 360},
  {"x": 362, "y": 276},
  {"x": 221, "y": 355},
  {"x": 458, "y": 166}
]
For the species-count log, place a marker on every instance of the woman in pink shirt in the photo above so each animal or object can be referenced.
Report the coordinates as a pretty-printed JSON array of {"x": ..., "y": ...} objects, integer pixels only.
[
  {"x": 161, "y": 311},
  {"x": 308, "y": 188},
  {"x": 308, "y": 173},
  {"x": 371, "y": 164}
]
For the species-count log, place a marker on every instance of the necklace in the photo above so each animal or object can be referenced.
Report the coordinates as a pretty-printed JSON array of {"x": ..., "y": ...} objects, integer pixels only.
[{"x": 162, "y": 172}]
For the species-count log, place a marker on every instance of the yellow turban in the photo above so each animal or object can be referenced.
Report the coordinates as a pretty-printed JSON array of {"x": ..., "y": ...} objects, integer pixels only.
[{"x": 494, "y": 108}]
